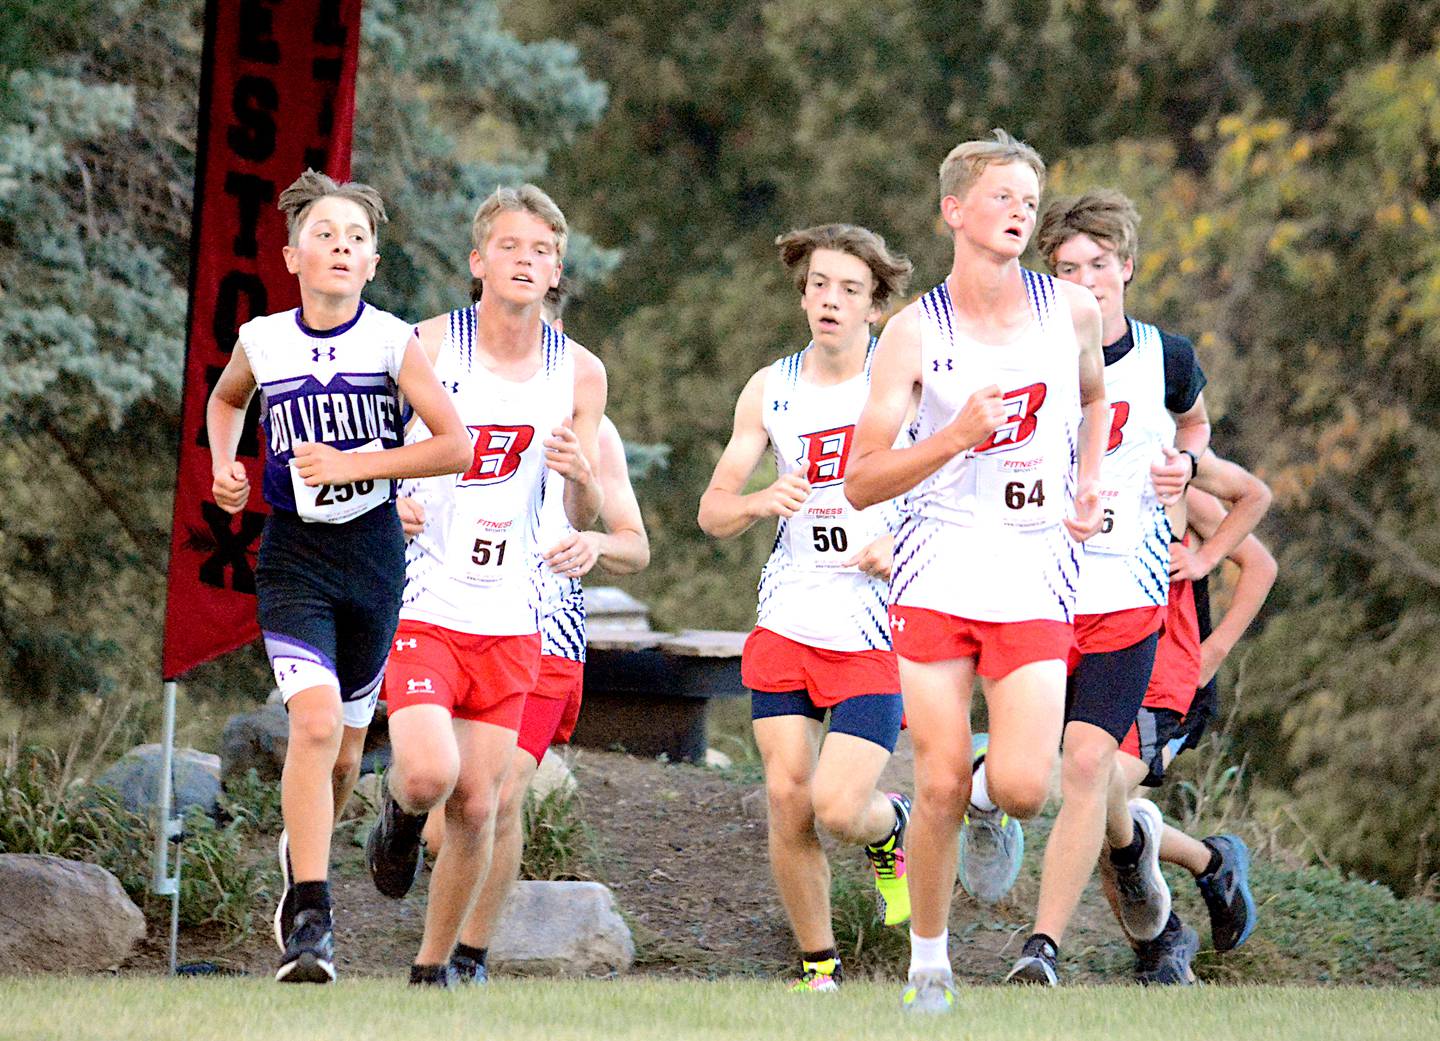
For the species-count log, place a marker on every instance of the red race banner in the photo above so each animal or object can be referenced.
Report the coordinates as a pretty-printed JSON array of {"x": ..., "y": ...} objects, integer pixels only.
[{"x": 277, "y": 95}]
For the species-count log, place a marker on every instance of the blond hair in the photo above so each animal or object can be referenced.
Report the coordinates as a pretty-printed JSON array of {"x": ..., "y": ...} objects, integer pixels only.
[
  {"x": 1105, "y": 215},
  {"x": 890, "y": 270},
  {"x": 968, "y": 160},
  {"x": 525, "y": 199},
  {"x": 312, "y": 186}
]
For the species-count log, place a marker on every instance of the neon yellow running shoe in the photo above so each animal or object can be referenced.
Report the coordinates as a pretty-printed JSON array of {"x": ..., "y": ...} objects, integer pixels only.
[
  {"x": 822, "y": 977},
  {"x": 888, "y": 860},
  {"x": 929, "y": 991}
]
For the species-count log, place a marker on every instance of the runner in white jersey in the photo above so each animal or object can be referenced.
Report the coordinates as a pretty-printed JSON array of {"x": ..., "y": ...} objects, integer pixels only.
[
  {"x": 821, "y": 643},
  {"x": 331, "y": 566},
  {"x": 552, "y": 708},
  {"x": 1004, "y": 367},
  {"x": 467, "y": 649}
]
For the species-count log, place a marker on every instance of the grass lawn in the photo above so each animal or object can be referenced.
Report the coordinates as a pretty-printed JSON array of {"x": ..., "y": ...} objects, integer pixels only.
[{"x": 239, "y": 1010}]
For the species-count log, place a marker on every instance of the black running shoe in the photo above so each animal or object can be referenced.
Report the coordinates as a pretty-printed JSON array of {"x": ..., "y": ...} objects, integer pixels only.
[
  {"x": 1165, "y": 960},
  {"x": 442, "y": 976},
  {"x": 309, "y": 950},
  {"x": 1227, "y": 893},
  {"x": 468, "y": 971},
  {"x": 1037, "y": 964},
  {"x": 285, "y": 909},
  {"x": 392, "y": 852}
]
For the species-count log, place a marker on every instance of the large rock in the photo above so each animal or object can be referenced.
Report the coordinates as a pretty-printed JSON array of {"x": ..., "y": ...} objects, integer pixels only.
[
  {"x": 552, "y": 773},
  {"x": 255, "y": 740},
  {"x": 136, "y": 777},
  {"x": 562, "y": 929},
  {"x": 63, "y": 916}
]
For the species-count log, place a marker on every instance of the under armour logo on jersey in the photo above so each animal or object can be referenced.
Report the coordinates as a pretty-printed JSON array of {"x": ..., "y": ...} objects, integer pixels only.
[
  {"x": 400, "y": 645},
  {"x": 779, "y": 406},
  {"x": 825, "y": 454},
  {"x": 897, "y": 623},
  {"x": 453, "y": 386},
  {"x": 949, "y": 364},
  {"x": 329, "y": 353},
  {"x": 420, "y": 686},
  {"x": 497, "y": 453}
]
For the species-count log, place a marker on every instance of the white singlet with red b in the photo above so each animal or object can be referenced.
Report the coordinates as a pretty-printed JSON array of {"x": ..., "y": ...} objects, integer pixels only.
[
  {"x": 1126, "y": 564},
  {"x": 475, "y": 566},
  {"x": 982, "y": 536},
  {"x": 808, "y": 592}
]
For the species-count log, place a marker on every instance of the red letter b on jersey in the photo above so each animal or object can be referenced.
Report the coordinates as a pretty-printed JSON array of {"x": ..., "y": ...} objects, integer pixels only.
[
  {"x": 497, "y": 453},
  {"x": 825, "y": 455}
]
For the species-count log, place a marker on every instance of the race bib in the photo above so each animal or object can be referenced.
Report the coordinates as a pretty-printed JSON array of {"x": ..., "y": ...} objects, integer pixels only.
[
  {"x": 1119, "y": 532},
  {"x": 823, "y": 539},
  {"x": 337, "y": 503},
  {"x": 483, "y": 552},
  {"x": 1019, "y": 493}
]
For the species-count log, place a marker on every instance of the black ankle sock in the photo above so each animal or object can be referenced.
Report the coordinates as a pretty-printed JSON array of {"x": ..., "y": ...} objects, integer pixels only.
[
  {"x": 825, "y": 955},
  {"x": 1215, "y": 862},
  {"x": 311, "y": 896},
  {"x": 1053, "y": 948},
  {"x": 1129, "y": 856},
  {"x": 475, "y": 954}
]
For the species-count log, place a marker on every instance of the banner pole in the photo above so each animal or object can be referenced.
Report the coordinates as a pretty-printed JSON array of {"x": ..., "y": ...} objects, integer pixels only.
[{"x": 168, "y": 827}]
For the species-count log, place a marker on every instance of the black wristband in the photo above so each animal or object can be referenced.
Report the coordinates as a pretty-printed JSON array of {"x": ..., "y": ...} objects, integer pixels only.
[{"x": 1194, "y": 464}]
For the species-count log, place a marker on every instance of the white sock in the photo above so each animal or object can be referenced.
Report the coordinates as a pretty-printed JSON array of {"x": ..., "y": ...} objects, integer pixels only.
[
  {"x": 979, "y": 794},
  {"x": 929, "y": 953}
]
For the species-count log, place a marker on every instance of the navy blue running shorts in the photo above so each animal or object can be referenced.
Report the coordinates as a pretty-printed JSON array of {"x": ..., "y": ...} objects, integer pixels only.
[
  {"x": 870, "y": 717},
  {"x": 329, "y": 601},
  {"x": 1107, "y": 688}
]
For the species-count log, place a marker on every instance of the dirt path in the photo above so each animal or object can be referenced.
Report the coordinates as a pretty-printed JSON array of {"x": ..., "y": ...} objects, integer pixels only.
[{"x": 683, "y": 849}]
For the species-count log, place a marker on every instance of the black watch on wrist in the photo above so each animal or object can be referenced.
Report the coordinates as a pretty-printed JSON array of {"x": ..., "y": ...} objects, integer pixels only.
[{"x": 1194, "y": 464}]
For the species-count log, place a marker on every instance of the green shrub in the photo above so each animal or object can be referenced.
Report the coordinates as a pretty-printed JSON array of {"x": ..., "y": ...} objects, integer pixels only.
[
  {"x": 558, "y": 844},
  {"x": 42, "y": 811}
]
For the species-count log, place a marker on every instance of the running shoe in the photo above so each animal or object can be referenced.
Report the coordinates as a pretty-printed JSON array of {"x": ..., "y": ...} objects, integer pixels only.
[
  {"x": 285, "y": 909},
  {"x": 1143, "y": 896},
  {"x": 309, "y": 950},
  {"x": 392, "y": 852},
  {"x": 1227, "y": 893},
  {"x": 888, "y": 860},
  {"x": 992, "y": 844},
  {"x": 442, "y": 976},
  {"x": 1036, "y": 964},
  {"x": 468, "y": 971},
  {"x": 930, "y": 991},
  {"x": 820, "y": 977},
  {"x": 1165, "y": 960}
]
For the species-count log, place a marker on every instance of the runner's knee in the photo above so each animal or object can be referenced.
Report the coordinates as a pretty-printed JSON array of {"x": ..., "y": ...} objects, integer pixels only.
[
  {"x": 790, "y": 806},
  {"x": 947, "y": 795},
  {"x": 839, "y": 812},
  {"x": 316, "y": 725},
  {"x": 421, "y": 788},
  {"x": 1086, "y": 765}
]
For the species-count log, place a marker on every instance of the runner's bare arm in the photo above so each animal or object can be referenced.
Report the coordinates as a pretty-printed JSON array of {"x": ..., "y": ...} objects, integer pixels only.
[
  {"x": 877, "y": 470},
  {"x": 724, "y": 510},
  {"x": 1257, "y": 576},
  {"x": 572, "y": 449},
  {"x": 1094, "y": 410},
  {"x": 1192, "y": 428},
  {"x": 446, "y": 451},
  {"x": 622, "y": 548},
  {"x": 1248, "y": 498},
  {"x": 224, "y": 423}
]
